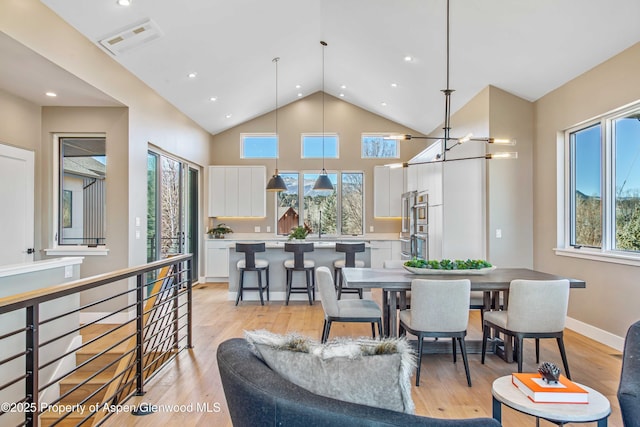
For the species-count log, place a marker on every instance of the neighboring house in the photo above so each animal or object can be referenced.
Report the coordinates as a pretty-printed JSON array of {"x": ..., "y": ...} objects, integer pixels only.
[
  {"x": 83, "y": 199},
  {"x": 288, "y": 219}
]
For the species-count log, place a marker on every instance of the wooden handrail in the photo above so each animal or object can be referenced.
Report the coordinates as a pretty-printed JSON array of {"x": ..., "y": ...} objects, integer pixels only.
[{"x": 26, "y": 299}]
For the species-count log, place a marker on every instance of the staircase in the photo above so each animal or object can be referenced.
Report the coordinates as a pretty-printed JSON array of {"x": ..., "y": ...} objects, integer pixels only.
[{"x": 81, "y": 382}]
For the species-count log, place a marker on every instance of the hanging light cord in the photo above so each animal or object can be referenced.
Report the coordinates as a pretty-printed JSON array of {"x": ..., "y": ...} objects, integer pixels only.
[
  {"x": 447, "y": 96},
  {"x": 276, "y": 59},
  {"x": 324, "y": 44}
]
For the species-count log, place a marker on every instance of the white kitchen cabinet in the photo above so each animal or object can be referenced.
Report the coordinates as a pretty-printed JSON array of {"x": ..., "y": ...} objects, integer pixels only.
[
  {"x": 217, "y": 260},
  {"x": 436, "y": 228},
  {"x": 237, "y": 191},
  {"x": 380, "y": 251},
  {"x": 388, "y": 186},
  {"x": 412, "y": 178}
]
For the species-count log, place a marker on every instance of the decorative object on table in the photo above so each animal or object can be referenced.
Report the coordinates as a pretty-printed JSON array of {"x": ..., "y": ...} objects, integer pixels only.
[
  {"x": 300, "y": 232},
  {"x": 446, "y": 266},
  {"x": 219, "y": 231},
  {"x": 550, "y": 372},
  {"x": 539, "y": 391}
]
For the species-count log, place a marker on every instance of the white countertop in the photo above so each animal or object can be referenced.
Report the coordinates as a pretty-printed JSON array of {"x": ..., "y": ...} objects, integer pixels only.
[{"x": 266, "y": 237}]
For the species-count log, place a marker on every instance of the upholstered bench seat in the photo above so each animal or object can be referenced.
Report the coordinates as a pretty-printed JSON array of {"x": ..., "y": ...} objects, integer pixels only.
[{"x": 260, "y": 263}]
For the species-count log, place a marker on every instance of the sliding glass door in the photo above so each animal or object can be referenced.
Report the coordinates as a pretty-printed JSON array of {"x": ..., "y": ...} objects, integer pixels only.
[{"x": 172, "y": 208}]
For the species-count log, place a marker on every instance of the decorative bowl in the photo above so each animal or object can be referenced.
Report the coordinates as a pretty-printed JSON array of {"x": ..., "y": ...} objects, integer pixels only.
[{"x": 433, "y": 271}]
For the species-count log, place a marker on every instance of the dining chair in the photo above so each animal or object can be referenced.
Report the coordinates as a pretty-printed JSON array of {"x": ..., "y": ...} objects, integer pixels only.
[
  {"x": 349, "y": 250},
  {"x": 251, "y": 263},
  {"x": 298, "y": 263},
  {"x": 439, "y": 308},
  {"x": 349, "y": 310},
  {"x": 535, "y": 309}
]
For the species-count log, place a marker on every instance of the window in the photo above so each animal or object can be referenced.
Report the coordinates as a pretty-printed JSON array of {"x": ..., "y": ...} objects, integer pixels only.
[
  {"x": 352, "y": 203},
  {"x": 603, "y": 182},
  {"x": 258, "y": 146},
  {"x": 81, "y": 193},
  {"x": 312, "y": 146},
  {"x": 340, "y": 211},
  {"x": 586, "y": 197},
  {"x": 375, "y": 146},
  {"x": 321, "y": 207}
]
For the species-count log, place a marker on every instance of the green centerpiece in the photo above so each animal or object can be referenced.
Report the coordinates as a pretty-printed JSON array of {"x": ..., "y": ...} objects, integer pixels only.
[{"x": 447, "y": 266}]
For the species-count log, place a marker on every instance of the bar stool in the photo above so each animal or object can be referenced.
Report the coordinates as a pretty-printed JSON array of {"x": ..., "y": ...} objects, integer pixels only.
[
  {"x": 350, "y": 250},
  {"x": 250, "y": 263},
  {"x": 298, "y": 263}
]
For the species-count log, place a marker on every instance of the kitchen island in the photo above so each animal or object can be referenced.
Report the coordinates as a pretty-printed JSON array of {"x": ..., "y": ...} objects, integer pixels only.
[{"x": 324, "y": 254}]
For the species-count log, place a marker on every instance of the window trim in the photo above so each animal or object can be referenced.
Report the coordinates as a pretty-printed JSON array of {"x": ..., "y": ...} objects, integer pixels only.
[
  {"x": 331, "y": 134},
  {"x": 67, "y": 250},
  {"x": 381, "y": 135},
  {"x": 259, "y": 134},
  {"x": 606, "y": 253}
]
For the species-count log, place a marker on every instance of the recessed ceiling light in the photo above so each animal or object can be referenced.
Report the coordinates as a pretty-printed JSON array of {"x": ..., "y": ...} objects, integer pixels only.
[
  {"x": 51, "y": 94},
  {"x": 408, "y": 58},
  {"x": 228, "y": 116},
  {"x": 299, "y": 94},
  {"x": 384, "y": 104},
  {"x": 192, "y": 75},
  {"x": 298, "y": 86},
  {"x": 394, "y": 84},
  {"x": 343, "y": 87},
  {"x": 213, "y": 98},
  {"x": 342, "y": 95},
  {"x": 124, "y": 2}
]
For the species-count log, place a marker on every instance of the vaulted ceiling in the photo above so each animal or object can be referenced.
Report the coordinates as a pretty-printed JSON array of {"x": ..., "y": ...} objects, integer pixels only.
[{"x": 525, "y": 47}]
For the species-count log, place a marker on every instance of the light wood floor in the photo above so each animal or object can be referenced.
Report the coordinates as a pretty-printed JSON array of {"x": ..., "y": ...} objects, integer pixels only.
[{"x": 443, "y": 393}]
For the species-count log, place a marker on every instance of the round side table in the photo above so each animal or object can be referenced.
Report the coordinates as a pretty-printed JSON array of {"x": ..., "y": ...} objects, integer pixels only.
[{"x": 505, "y": 393}]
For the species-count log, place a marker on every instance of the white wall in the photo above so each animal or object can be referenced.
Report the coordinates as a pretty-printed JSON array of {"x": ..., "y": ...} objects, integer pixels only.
[{"x": 147, "y": 119}]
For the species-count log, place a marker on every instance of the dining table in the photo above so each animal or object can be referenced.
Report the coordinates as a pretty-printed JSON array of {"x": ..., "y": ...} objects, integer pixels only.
[{"x": 394, "y": 282}]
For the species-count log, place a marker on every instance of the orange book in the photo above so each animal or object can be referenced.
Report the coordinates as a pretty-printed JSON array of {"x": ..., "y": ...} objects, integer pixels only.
[{"x": 536, "y": 389}]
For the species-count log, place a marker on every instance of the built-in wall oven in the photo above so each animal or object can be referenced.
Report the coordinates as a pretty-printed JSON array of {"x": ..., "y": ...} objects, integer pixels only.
[
  {"x": 408, "y": 224},
  {"x": 421, "y": 235}
]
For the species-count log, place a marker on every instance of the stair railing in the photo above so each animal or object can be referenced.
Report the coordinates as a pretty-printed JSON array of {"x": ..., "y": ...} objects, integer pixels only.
[{"x": 151, "y": 320}]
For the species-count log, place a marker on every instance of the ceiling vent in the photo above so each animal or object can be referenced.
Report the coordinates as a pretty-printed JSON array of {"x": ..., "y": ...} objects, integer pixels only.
[{"x": 131, "y": 38}]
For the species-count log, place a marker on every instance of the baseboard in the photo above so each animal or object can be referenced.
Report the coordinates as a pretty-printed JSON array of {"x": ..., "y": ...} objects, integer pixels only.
[
  {"x": 115, "y": 318},
  {"x": 596, "y": 334}
]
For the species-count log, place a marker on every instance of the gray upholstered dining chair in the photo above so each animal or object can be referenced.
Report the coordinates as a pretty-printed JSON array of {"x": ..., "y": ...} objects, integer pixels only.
[
  {"x": 535, "y": 309},
  {"x": 251, "y": 263},
  {"x": 439, "y": 308},
  {"x": 350, "y": 250},
  {"x": 349, "y": 310}
]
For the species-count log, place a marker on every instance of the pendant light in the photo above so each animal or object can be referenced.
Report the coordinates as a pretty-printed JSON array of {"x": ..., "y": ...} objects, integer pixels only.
[
  {"x": 323, "y": 182},
  {"x": 446, "y": 147},
  {"x": 276, "y": 183}
]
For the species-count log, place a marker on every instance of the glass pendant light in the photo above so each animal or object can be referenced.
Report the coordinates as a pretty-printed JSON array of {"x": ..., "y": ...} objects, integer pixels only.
[
  {"x": 276, "y": 183},
  {"x": 323, "y": 182}
]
